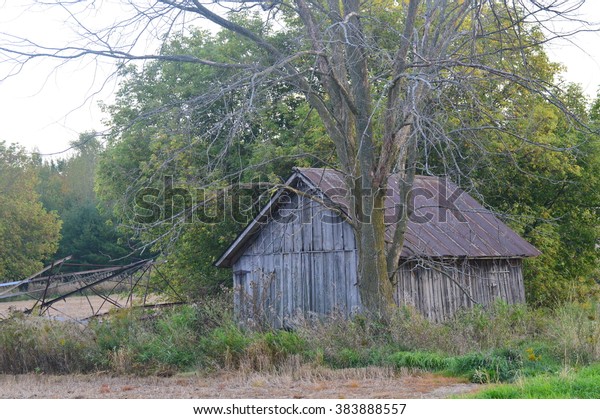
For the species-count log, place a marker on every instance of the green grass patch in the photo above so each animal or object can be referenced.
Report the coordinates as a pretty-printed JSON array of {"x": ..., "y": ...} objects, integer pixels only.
[
  {"x": 502, "y": 365},
  {"x": 421, "y": 360},
  {"x": 582, "y": 384}
]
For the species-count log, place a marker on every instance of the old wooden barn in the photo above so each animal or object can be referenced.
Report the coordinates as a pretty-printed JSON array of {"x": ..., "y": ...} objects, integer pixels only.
[{"x": 299, "y": 257}]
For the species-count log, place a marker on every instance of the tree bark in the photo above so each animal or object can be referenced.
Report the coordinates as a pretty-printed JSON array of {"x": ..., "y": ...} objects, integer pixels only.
[{"x": 374, "y": 286}]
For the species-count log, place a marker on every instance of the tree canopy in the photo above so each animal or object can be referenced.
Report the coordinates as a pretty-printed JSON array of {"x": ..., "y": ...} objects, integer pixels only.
[
  {"x": 28, "y": 233},
  {"x": 145, "y": 148}
]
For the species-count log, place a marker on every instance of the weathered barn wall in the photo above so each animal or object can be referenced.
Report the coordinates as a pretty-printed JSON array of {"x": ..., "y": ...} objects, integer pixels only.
[
  {"x": 440, "y": 289},
  {"x": 302, "y": 261}
]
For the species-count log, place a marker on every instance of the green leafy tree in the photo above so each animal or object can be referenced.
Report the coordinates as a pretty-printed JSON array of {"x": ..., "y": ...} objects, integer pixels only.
[
  {"x": 529, "y": 161},
  {"x": 67, "y": 188},
  {"x": 28, "y": 233},
  {"x": 549, "y": 192}
]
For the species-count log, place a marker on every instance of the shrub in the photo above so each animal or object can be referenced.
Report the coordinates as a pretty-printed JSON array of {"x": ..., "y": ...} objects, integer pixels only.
[
  {"x": 224, "y": 346},
  {"x": 284, "y": 343},
  {"x": 117, "y": 331},
  {"x": 409, "y": 330},
  {"x": 172, "y": 341},
  {"x": 502, "y": 365},
  {"x": 214, "y": 311}
]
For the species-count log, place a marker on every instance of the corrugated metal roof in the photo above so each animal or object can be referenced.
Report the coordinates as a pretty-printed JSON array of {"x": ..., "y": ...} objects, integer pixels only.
[{"x": 446, "y": 221}]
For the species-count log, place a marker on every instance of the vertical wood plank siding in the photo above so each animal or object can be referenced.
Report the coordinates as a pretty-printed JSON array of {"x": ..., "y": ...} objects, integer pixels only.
[
  {"x": 440, "y": 288},
  {"x": 301, "y": 263},
  {"x": 304, "y": 262}
]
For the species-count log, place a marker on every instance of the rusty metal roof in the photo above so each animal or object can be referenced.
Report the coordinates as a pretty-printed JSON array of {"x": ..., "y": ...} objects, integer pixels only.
[{"x": 446, "y": 222}]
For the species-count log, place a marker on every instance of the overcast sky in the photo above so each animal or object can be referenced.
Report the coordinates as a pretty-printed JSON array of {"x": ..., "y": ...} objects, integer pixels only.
[{"x": 46, "y": 107}]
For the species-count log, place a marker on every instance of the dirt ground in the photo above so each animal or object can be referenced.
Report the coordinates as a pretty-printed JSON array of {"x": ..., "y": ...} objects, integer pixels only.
[{"x": 364, "y": 383}]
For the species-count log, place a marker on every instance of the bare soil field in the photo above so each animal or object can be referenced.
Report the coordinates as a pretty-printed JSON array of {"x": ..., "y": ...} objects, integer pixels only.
[
  {"x": 364, "y": 383},
  {"x": 75, "y": 307}
]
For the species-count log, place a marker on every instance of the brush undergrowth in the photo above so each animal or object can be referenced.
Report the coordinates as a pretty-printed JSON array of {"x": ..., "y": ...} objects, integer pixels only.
[
  {"x": 502, "y": 344},
  {"x": 33, "y": 344}
]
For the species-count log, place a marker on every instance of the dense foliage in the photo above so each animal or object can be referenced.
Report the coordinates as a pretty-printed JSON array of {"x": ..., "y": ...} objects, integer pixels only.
[
  {"x": 28, "y": 232},
  {"x": 548, "y": 190}
]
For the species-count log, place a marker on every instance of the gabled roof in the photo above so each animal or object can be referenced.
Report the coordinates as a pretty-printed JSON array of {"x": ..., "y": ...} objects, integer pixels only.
[{"x": 446, "y": 222}]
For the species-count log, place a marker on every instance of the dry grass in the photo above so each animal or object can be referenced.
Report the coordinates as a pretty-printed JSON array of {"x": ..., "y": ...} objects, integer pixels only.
[{"x": 308, "y": 382}]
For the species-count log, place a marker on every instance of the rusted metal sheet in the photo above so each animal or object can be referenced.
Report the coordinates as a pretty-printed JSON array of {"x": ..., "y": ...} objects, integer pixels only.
[{"x": 445, "y": 221}]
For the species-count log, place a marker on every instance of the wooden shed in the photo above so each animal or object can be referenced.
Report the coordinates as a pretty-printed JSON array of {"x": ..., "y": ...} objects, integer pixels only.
[{"x": 298, "y": 257}]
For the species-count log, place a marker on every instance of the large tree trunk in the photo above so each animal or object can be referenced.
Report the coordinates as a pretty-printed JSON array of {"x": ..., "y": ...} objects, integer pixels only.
[{"x": 375, "y": 287}]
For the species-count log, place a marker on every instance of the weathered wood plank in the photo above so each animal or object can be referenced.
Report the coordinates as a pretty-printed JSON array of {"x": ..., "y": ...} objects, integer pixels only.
[
  {"x": 306, "y": 279},
  {"x": 287, "y": 289},
  {"x": 340, "y": 281},
  {"x": 267, "y": 237},
  {"x": 296, "y": 262},
  {"x": 337, "y": 233},
  {"x": 317, "y": 263},
  {"x": 316, "y": 228},
  {"x": 329, "y": 282},
  {"x": 307, "y": 236},
  {"x": 278, "y": 306},
  {"x": 327, "y": 238}
]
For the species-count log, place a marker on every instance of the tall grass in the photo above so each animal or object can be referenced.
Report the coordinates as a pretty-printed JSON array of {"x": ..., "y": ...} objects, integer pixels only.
[
  {"x": 576, "y": 331},
  {"x": 33, "y": 344},
  {"x": 503, "y": 343}
]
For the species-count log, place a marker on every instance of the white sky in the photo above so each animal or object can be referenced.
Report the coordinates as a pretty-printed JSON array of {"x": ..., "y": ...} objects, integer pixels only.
[{"x": 46, "y": 107}]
